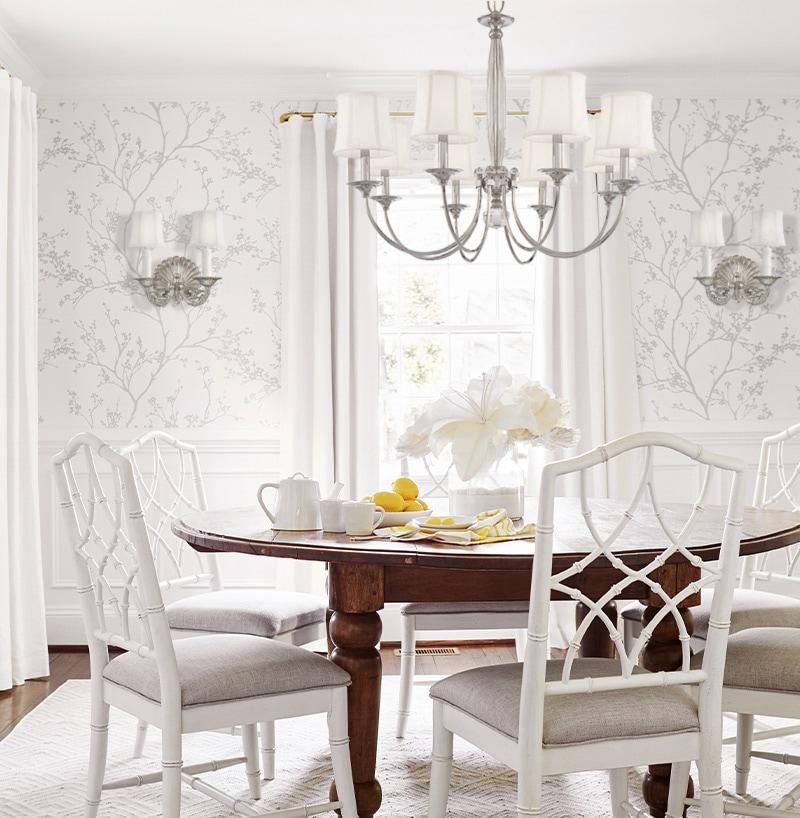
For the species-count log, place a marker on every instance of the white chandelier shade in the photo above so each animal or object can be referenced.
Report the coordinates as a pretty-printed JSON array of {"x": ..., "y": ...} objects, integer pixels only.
[
  {"x": 444, "y": 108},
  {"x": 707, "y": 228},
  {"x": 398, "y": 163},
  {"x": 558, "y": 107},
  {"x": 768, "y": 229},
  {"x": 363, "y": 124},
  {"x": 593, "y": 162},
  {"x": 535, "y": 156},
  {"x": 208, "y": 229},
  {"x": 147, "y": 229},
  {"x": 626, "y": 124}
]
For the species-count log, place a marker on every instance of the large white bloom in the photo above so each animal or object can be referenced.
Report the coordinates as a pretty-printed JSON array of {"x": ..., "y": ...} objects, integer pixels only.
[{"x": 478, "y": 423}]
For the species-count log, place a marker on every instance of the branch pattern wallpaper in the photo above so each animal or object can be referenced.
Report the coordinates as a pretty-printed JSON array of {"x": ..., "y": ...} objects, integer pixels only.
[{"x": 113, "y": 361}]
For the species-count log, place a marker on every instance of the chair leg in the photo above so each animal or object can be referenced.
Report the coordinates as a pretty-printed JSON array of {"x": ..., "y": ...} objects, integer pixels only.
[
  {"x": 171, "y": 765},
  {"x": 98, "y": 750},
  {"x": 253, "y": 765},
  {"x": 678, "y": 785},
  {"x": 744, "y": 745},
  {"x": 441, "y": 764},
  {"x": 407, "y": 666},
  {"x": 340, "y": 754},
  {"x": 267, "y": 730},
  {"x": 618, "y": 779},
  {"x": 711, "y": 800},
  {"x": 141, "y": 735}
]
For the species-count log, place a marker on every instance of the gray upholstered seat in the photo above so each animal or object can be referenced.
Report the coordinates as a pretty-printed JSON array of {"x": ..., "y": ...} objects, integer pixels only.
[
  {"x": 225, "y": 667},
  {"x": 762, "y": 659},
  {"x": 751, "y": 609},
  {"x": 415, "y": 608},
  {"x": 258, "y": 612},
  {"x": 492, "y": 694}
]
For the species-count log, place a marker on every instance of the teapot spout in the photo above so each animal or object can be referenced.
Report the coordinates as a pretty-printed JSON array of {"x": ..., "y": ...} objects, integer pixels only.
[{"x": 335, "y": 491}]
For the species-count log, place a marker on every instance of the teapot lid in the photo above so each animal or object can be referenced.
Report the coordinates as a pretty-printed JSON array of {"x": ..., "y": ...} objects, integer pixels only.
[{"x": 299, "y": 476}]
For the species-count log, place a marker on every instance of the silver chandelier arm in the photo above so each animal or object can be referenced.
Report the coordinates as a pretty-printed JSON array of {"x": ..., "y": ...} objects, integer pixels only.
[
  {"x": 535, "y": 244},
  {"x": 446, "y": 251},
  {"x": 603, "y": 235},
  {"x": 512, "y": 240},
  {"x": 466, "y": 252}
]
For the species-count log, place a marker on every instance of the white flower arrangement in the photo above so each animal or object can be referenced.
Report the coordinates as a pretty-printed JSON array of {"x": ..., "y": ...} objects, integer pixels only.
[{"x": 480, "y": 423}]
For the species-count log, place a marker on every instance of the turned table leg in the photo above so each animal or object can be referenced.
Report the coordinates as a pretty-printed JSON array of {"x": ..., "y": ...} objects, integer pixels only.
[
  {"x": 663, "y": 652},
  {"x": 354, "y": 629}
]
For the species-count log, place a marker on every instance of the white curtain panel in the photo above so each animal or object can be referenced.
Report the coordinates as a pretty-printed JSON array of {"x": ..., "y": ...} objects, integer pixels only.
[
  {"x": 329, "y": 353},
  {"x": 23, "y": 641},
  {"x": 584, "y": 350}
]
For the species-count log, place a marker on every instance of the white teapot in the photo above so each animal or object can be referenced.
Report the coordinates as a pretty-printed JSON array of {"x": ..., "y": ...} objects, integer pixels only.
[{"x": 297, "y": 506}]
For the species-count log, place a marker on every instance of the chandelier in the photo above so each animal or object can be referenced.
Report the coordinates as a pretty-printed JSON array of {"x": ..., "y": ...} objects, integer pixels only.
[{"x": 614, "y": 138}]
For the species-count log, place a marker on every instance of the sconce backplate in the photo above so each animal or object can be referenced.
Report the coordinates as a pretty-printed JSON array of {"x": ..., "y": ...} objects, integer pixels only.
[
  {"x": 738, "y": 278},
  {"x": 179, "y": 279}
]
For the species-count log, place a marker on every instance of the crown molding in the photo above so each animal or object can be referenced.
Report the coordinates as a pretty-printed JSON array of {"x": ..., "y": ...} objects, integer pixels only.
[
  {"x": 324, "y": 86},
  {"x": 17, "y": 61}
]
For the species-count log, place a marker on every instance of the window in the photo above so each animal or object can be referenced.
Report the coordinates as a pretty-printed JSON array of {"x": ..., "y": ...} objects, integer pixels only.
[{"x": 445, "y": 322}]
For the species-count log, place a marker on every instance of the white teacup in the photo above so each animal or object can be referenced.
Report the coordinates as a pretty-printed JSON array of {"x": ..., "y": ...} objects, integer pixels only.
[
  {"x": 361, "y": 518},
  {"x": 332, "y": 515}
]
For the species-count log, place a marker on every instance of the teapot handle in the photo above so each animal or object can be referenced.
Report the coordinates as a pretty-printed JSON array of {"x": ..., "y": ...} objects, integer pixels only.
[{"x": 261, "y": 500}]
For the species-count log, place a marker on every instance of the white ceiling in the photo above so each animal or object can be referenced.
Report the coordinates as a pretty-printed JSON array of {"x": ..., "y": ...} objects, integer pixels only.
[
  {"x": 737, "y": 46},
  {"x": 207, "y": 37}
]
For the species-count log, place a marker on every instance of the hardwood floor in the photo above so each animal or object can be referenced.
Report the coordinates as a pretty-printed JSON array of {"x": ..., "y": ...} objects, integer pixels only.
[{"x": 74, "y": 664}]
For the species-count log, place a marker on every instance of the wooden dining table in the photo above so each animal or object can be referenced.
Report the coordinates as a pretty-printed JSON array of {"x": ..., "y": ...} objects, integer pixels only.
[{"x": 363, "y": 575}]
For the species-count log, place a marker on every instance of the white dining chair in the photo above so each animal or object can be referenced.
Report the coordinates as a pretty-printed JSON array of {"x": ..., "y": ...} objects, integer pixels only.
[
  {"x": 546, "y": 717},
  {"x": 170, "y": 483},
  {"x": 445, "y": 616},
  {"x": 762, "y": 678},
  {"x": 186, "y": 685},
  {"x": 754, "y": 607}
]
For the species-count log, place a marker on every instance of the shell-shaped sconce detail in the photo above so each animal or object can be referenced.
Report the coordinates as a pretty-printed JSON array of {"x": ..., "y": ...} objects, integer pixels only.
[{"x": 178, "y": 279}]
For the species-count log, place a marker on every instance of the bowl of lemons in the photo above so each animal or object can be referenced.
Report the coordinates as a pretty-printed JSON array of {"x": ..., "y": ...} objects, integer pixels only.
[{"x": 401, "y": 503}]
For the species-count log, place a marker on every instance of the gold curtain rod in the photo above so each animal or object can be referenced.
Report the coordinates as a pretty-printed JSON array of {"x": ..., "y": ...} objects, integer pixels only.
[{"x": 285, "y": 117}]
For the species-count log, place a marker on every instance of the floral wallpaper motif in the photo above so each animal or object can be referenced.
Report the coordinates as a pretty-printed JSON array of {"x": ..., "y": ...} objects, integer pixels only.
[
  {"x": 108, "y": 358},
  {"x": 695, "y": 360}
]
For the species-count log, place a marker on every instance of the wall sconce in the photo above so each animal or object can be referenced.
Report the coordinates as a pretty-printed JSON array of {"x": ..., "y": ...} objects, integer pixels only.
[
  {"x": 737, "y": 277},
  {"x": 177, "y": 278}
]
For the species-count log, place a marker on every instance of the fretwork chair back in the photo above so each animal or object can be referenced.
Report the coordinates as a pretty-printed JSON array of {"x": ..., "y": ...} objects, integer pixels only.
[
  {"x": 777, "y": 486},
  {"x": 170, "y": 483},
  {"x": 182, "y": 686},
  {"x": 445, "y": 616},
  {"x": 769, "y": 591},
  {"x": 545, "y": 717}
]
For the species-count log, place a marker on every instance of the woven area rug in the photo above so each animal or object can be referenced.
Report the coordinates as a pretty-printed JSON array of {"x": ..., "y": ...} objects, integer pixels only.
[{"x": 43, "y": 768}]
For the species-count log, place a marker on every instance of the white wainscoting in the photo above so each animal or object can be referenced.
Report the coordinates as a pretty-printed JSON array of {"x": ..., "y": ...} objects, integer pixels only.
[{"x": 234, "y": 467}]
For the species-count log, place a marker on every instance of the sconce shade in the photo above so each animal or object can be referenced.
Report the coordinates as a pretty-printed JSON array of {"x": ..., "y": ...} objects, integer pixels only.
[
  {"x": 707, "y": 229},
  {"x": 363, "y": 124},
  {"x": 626, "y": 122},
  {"x": 535, "y": 155},
  {"x": 207, "y": 229},
  {"x": 558, "y": 107},
  {"x": 592, "y": 161},
  {"x": 147, "y": 230},
  {"x": 399, "y": 162},
  {"x": 444, "y": 108},
  {"x": 768, "y": 228}
]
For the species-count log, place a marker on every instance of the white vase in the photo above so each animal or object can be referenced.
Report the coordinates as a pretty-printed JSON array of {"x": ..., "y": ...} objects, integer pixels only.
[{"x": 497, "y": 485}]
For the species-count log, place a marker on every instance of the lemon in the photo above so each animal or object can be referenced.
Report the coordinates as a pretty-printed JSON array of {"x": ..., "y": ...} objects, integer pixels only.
[
  {"x": 413, "y": 505},
  {"x": 440, "y": 521},
  {"x": 368, "y": 499},
  {"x": 389, "y": 500},
  {"x": 406, "y": 488},
  {"x": 425, "y": 506}
]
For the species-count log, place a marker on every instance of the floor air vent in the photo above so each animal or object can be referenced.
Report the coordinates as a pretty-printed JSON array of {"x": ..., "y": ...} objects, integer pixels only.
[{"x": 433, "y": 652}]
